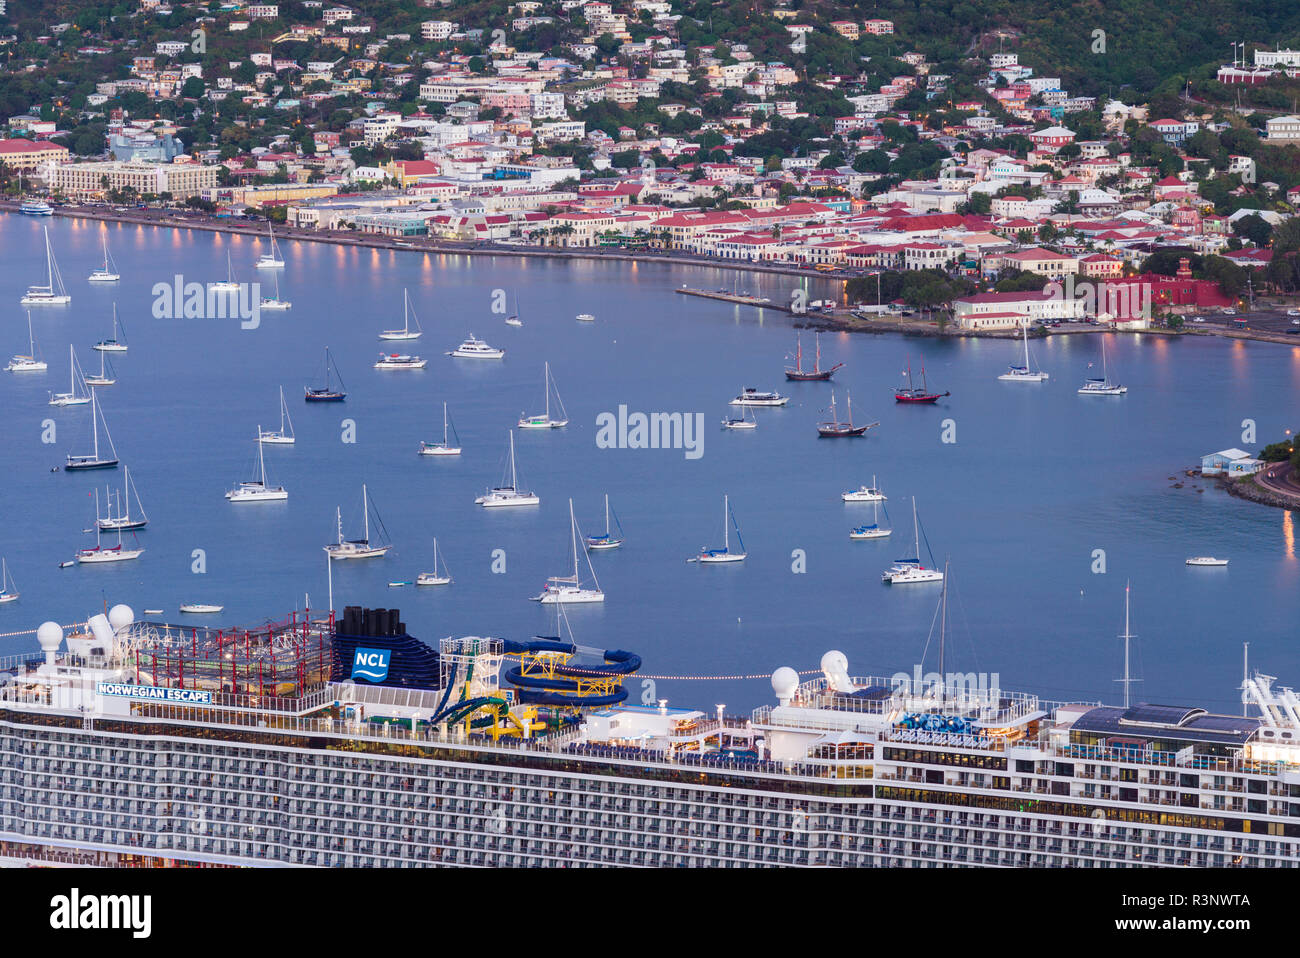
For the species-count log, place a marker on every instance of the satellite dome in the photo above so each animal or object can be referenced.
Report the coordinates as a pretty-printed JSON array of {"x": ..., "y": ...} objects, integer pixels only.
[
  {"x": 785, "y": 681},
  {"x": 49, "y": 635},
  {"x": 835, "y": 663},
  {"x": 121, "y": 616}
]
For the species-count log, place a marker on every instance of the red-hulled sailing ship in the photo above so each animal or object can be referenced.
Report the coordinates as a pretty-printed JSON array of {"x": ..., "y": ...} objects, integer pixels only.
[
  {"x": 817, "y": 374},
  {"x": 834, "y": 429},
  {"x": 913, "y": 393}
]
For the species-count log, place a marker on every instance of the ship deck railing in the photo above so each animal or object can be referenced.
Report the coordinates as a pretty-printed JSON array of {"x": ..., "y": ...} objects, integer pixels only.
[{"x": 994, "y": 707}]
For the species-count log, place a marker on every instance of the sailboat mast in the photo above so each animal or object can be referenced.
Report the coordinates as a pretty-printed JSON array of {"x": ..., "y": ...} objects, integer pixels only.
[
  {"x": 513, "y": 481},
  {"x": 916, "y": 531},
  {"x": 607, "y": 515},
  {"x": 726, "y": 511},
  {"x": 261, "y": 459},
  {"x": 365, "y": 513},
  {"x": 573, "y": 533},
  {"x": 547, "y": 386},
  {"x": 817, "y": 360},
  {"x": 943, "y": 619},
  {"x": 94, "y": 422},
  {"x": 444, "y": 424}
]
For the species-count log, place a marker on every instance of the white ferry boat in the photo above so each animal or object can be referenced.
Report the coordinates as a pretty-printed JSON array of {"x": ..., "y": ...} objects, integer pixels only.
[
  {"x": 36, "y": 208},
  {"x": 400, "y": 361},
  {"x": 750, "y": 396}
]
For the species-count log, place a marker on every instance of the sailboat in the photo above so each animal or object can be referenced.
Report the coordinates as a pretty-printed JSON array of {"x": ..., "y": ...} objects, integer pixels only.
[
  {"x": 99, "y": 553},
  {"x": 257, "y": 490},
  {"x": 872, "y": 530},
  {"x": 283, "y": 436},
  {"x": 229, "y": 285},
  {"x": 912, "y": 393},
  {"x": 545, "y": 421},
  {"x": 360, "y": 548},
  {"x": 8, "y": 588},
  {"x": 724, "y": 554},
  {"x": 31, "y": 363},
  {"x": 869, "y": 493},
  {"x": 1023, "y": 374},
  {"x": 513, "y": 319},
  {"x": 608, "y": 540},
  {"x": 124, "y": 521},
  {"x": 816, "y": 374},
  {"x": 1102, "y": 386},
  {"x": 275, "y": 302},
  {"x": 443, "y": 448},
  {"x": 46, "y": 295},
  {"x": 105, "y": 377},
  {"x": 907, "y": 571},
  {"x": 510, "y": 495},
  {"x": 108, "y": 272},
  {"x": 93, "y": 461},
  {"x": 272, "y": 259},
  {"x": 433, "y": 578},
  {"x": 747, "y": 419},
  {"x": 568, "y": 588},
  {"x": 834, "y": 429},
  {"x": 405, "y": 332},
  {"x": 327, "y": 393},
  {"x": 118, "y": 343},
  {"x": 74, "y": 396}
]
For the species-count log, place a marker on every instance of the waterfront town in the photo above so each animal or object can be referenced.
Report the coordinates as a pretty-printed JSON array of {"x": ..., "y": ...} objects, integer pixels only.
[{"x": 972, "y": 189}]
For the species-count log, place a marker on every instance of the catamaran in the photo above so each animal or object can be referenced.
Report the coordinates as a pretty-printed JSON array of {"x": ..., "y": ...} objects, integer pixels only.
[
  {"x": 108, "y": 272},
  {"x": 834, "y": 429},
  {"x": 749, "y": 396},
  {"x": 118, "y": 343},
  {"x": 327, "y": 393},
  {"x": 872, "y": 529},
  {"x": 513, "y": 319},
  {"x": 32, "y": 362},
  {"x": 284, "y": 435},
  {"x": 724, "y": 554},
  {"x": 545, "y": 421},
  {"x": 257, "y": 490},
  {"x": 816, "y": 374},
  {"x": 869, "y": 493},
  {"x": 405, "y": 332},
  {"x": 907, "y": 571},
  {"x": 510, "y": 495},
  {"x": 608, "y": 540},
  {"x": 228, "y": 285},
  {"x": 78, "y": 393},
  {"x": 99, "y": 553},
  {"x": 106, "y": 376},
  {"x": 473, "y": 348},
  {"x": 1102, "y": 386},
  {"x": 52, "y": 293},
  {"x": 93, "y": 461},
  {"x": 8, "y": 588},
  {"x": 1023, "y": 374},
  {"x": 361, "y": 548},
  {"x": 275, "y": 302},
  {"x": 912, "y": 393},
  {"x": 568, "y": 588},
  {"x": 443, "y": 448},
  {"x": 400, "y": 361},
  {"x": 434, "y": 577},
  {"x": 123, "y": 520},
  {"x": 272, "y": 259}
]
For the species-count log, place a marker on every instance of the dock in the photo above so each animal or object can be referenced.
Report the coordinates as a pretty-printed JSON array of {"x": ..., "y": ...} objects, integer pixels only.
[{"x": 755, "y": 301}]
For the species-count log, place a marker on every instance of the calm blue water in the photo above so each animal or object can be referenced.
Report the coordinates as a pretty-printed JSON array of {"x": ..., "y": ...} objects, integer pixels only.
[{"x": 1038, "y": 478}]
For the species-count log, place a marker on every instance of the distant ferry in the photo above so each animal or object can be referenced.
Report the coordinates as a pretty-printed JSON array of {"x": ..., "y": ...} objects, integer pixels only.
[{"x": 36, "y": 208}]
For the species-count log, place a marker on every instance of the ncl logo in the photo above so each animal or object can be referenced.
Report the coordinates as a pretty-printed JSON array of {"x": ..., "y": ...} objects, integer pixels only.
[{"x": 371, "y": 664}]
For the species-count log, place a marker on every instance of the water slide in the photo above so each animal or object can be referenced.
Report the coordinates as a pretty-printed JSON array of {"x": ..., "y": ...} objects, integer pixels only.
[{"x": 562, "y": 689}]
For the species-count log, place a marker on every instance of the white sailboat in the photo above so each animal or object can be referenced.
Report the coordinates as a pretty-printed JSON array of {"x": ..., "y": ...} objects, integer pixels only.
[
  {"x": 32, "y": 362},
  {"x": 608, "y": 540},
  {"x": 513, "y": 319},
  {"x": 124, "y": 520},
  {"x": 275, "y": 302},
  {"x": 872, "y": 529},
  {"x": 53, "y": 292},
  {"x": 8, "y": 588},
  {"x": 94, "y": 461},
  {"x": 257, "y": 490},
  {"x": 748, "y": 419},
  {"x": 405, "y": 332},
  {"x": 106, "y": 376},
  {"x": 272, "y": 259},
  {"x": 510, "y": 495},
  {"x": 361, "y": 548},
  {"x": 907, "y": 571},
  {"x": 568, "y": 589},
  {"x": 99, "y": 554},
  {"x": 443, "y": 448},
  {"x": 284, "y": 435},
  {"x": 118, "y": 343},
  {"x": 869, "y": 493},
  {"x": 724, "y": 554},
  {"x": 229, "y": 285},
  {"x": 545, "y": 421},
  {"x": 434, "y": 577},
  {"x": 201, "y": 608},
  {"x": 78, "y": 393},
  {"x": 1102, "y": 386},
  {"x": 1023, "y": 374},
  {"x": 108, "y": 272}
]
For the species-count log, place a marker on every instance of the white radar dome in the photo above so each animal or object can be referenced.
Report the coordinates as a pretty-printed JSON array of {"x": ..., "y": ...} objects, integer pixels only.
[
  {"x": 785, "y": 681},
  {"x": 121, "y": 616},
  {"x": 49, "y": 635}
]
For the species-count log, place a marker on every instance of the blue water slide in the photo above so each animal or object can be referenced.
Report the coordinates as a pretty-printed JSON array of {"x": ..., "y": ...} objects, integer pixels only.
[{"x": 563, "y": 688}]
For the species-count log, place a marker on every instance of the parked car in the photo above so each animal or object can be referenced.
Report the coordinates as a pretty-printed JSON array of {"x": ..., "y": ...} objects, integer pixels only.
[{"x": 1293, "y": 312}]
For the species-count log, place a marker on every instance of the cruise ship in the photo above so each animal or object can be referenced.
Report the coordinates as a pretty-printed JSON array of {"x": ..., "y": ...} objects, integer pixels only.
[{"x": 345, "y": 741}]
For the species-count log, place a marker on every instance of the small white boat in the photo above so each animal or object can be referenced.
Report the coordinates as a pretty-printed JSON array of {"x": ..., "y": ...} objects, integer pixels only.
[
  {"x": 361, "y": 548},
  {"x": 229, "y": 285},
  {"x": 1206, "y": 560},
  {"x": 78, "y": 393},
  {"x": 908, "y": 571},
  {"x": 284, "y": 436},
  {"x": 275, "y": 303},
  {"x": 32, "y": 362},
  {"x": 53, "y": 292},
  {"x": 585, "y": 318},
  {"x": 568, "y": 589},
  {"x": 545, "y": 421},
  {"x": 105, "y": 377},
  {"x": 443, "y": 448},
  {"x": 405, "y": 332},
  {"x": 513, "y": 319},
  {"x": 508, "y": 495},
  {"x": 724, "y": 554},
  {"x": 118, "y": 343},
  {"x": 152, "y": 612},
  {"x": 869, "y": 493},
  {"x": 199, "y": 608},
  {"x": 8, "y": 589},
  {"x": 434, "y": 577},
  {"x": 869, "y": 531},
  {"x": 257, "y": 490},
  {"x": 474, "y": 348},
  {"x": 106, "y": 273},
  {"x": 272, "y": 259},
  {"x": 400, "y": 361},
  {"x": 608, "y": 540},
  {"x": 750, "y": 396},
  {"x": 1023, "y": 374}
]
